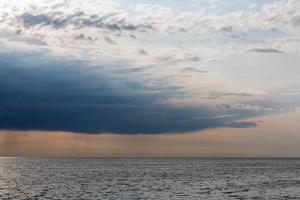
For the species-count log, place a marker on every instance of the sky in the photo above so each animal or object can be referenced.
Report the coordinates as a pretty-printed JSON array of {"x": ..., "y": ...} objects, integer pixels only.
[{"x": 149, "y": 78}]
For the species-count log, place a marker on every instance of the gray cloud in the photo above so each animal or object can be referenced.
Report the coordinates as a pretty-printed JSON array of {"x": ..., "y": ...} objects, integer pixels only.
[
  {"x": 267, "y": 50},
  {"x": 296, "y": 19},
  {"x": 38, "y": 92},
  {"x": 142, "y": 52},
  {"x": 170, "y": 59},
  {"x": 193, "y": 59},
  {"x": 57, "y": 20},
  {"x": 84, "y": 37},
  {"x": 238, "y": 106},
  {"x": 244, "y": 124},
  {"x": 132, "y": 36},
  {"x": 109, "y": 40},
  {"x": 220, "y": 95},
  {"x": 192, "y": 69},
  {"x": 228, "y": 29}
]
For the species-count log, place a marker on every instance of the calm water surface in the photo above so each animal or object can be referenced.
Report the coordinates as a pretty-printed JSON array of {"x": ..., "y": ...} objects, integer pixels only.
[{"x": 29, "y": 178}]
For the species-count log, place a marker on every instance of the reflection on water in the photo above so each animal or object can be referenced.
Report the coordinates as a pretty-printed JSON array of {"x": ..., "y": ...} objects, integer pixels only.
[{"x": 28, "y": 178}]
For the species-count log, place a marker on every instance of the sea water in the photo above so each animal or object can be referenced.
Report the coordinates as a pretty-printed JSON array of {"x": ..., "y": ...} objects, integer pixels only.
[{"x": 160, "y": 178}]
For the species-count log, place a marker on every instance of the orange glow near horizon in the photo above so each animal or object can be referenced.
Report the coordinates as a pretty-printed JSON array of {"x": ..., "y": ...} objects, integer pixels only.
[{"x": 268, "y": 139}]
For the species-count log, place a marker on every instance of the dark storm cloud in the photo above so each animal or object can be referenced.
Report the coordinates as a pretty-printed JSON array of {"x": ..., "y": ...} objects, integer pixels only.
[
  {"x": 267, "y": 50},
  {"x": 112, "y": 21},
  {"x": 38, "y": 92}
]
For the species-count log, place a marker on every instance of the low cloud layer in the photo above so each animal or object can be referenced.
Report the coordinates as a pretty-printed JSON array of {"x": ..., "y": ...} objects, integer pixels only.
[{"x": 47, "y": 93}]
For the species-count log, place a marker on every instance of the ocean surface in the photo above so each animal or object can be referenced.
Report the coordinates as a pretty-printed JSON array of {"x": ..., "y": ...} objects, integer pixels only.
[{"x": 32, "y": 178}]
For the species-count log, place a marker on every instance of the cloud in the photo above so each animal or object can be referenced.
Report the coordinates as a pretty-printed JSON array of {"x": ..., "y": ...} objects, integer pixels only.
[
  {"x": 142, "y": 52},
  {"x": 193, "y": 58},
  {"x": 84, "y": 37},
  {"x": 226, "y": 29},
  {"x": 80, "y": 20},
  {"x": 193, "y": 70},
  {"x": 237, "y": 106},
  {"x": 268, "y": 50},
  {"x": 30, "y": 20},
  {"x": 173, "y": 60},
  {"x": 140, "y": 59},
  {"x": 241, "y": 28},
  {"x": 38, "y": 92},
  {"x": 221, "y": 95},
  {"x": 244, "y": 124},
  {"x": 109, "y": 41}
]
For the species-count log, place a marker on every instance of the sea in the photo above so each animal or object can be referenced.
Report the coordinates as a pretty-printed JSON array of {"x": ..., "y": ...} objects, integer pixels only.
[{"x": 149, "y": 178}]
